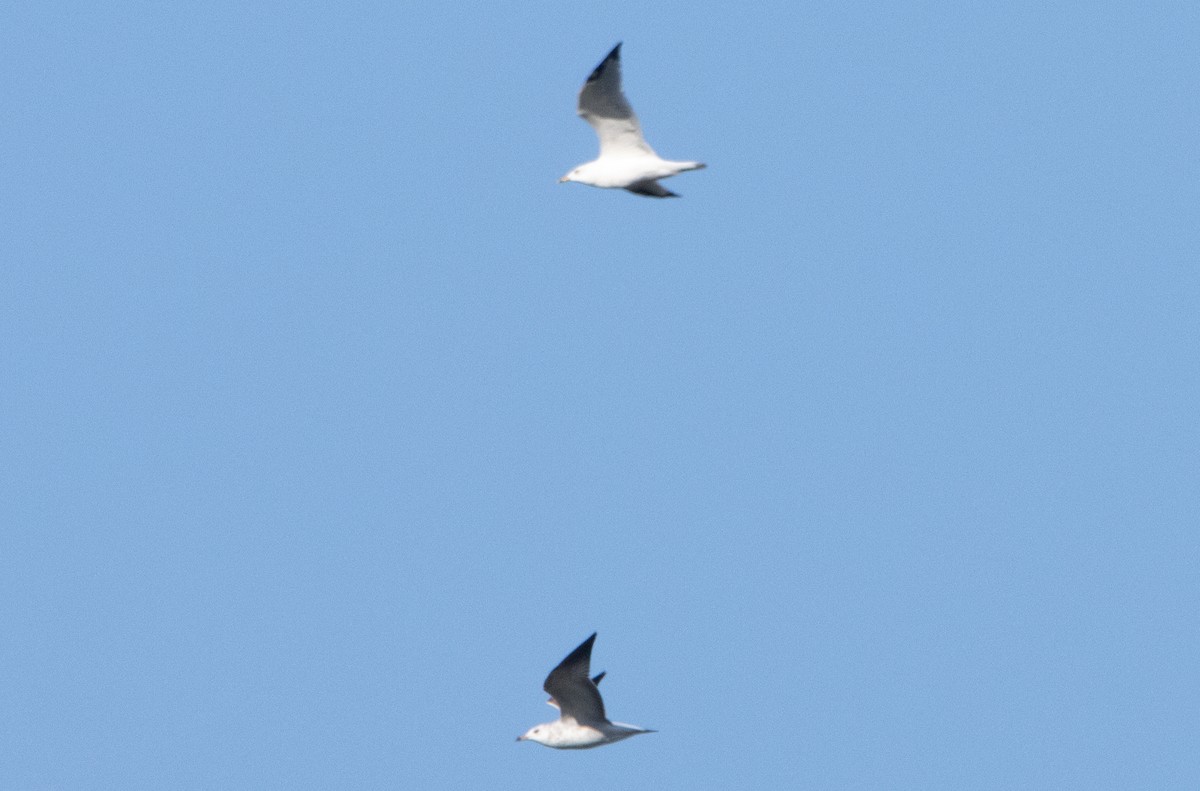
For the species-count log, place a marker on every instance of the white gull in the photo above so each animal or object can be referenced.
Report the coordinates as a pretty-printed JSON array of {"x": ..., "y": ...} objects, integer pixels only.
[
  {"x": 582, "y": 723},
  {"x": 626, "y": 160}
]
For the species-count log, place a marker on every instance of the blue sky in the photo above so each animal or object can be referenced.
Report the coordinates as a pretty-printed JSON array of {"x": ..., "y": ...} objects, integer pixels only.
[{"x": 331, "y": 422}]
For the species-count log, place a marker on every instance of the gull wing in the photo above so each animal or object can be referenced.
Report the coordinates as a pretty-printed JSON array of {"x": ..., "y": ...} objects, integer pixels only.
[
  {"x": 651, "y": 188},
  {"x": 604, "y": 106},
  {"x": 595, "y": 680},
  {"x": 570, "y": 687}
]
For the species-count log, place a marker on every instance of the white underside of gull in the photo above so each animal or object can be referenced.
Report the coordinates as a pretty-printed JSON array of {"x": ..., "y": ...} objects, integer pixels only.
[
  {"x": 567, "y": 734},
  {"x": 624, "y": 171}
]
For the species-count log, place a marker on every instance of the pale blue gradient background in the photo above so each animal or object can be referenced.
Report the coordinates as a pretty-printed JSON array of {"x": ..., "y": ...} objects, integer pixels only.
[{"x": 331, "y": 422}]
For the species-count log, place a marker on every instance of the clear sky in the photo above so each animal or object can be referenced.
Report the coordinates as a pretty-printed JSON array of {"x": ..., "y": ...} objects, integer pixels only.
[{"x": 330, "y": 422}]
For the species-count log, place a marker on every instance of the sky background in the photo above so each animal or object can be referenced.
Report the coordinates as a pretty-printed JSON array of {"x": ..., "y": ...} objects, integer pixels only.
[{"x": 330, "y": 422}]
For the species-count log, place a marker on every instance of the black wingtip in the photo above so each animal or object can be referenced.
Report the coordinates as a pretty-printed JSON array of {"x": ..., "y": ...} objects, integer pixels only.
[
  {"x": 613, "y": 56},
  {"x": 585, "y": 648},
  {"x": 582, "y": 655}
]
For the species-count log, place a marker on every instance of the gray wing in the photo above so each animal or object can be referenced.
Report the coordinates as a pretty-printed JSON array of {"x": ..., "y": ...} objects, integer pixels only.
[
  {"x": 604, "y": 106},
  {"x": 569, "y": 686},
  {"x": 595, "y": 680},
  {"x": 651, "y": 189}
]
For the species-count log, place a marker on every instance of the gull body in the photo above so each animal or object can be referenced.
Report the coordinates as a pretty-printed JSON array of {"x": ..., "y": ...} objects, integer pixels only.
[
  {"x": 567, "y": 734},
  {"x": 626, "y": 160},
  {"x": 582, "y": 724}
]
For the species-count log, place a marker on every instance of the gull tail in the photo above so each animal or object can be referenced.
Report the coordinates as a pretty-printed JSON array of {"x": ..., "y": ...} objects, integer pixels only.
[{"x": 651, "y": 188}]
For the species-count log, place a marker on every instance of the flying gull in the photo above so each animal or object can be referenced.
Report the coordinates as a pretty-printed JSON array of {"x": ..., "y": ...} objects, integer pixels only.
[
  {"x": 626, "y": 160},
  {"x": 582, "y": 723}
]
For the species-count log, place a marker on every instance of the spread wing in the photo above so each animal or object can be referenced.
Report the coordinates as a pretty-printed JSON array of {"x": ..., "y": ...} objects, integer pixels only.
[
  {"x": 570, "y": 687},
  {"x": 604, "y": 106},
  {"x": 595, "y": 680}
]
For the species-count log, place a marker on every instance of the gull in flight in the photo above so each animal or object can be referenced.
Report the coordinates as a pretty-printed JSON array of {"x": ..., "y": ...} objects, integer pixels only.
[
  {"x": 582, "y": 723},
  {"x": 626, "y": 160}
]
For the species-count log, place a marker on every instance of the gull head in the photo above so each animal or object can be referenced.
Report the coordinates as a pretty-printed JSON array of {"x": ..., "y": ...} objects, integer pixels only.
[
  {"x": 587, "y": 173},
  {"x": 538, "y": 733}
]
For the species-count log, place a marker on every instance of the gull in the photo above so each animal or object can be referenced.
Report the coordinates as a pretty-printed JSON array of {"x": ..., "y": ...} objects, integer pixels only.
[
  {"x": 582, "y": 723},
  {"x": 626, "y": 160}
]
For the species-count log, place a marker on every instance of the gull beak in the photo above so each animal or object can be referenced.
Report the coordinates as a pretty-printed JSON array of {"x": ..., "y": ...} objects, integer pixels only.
[
  {"x": 563, "y": 179},
  {"x": 520, "y": 738}
]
